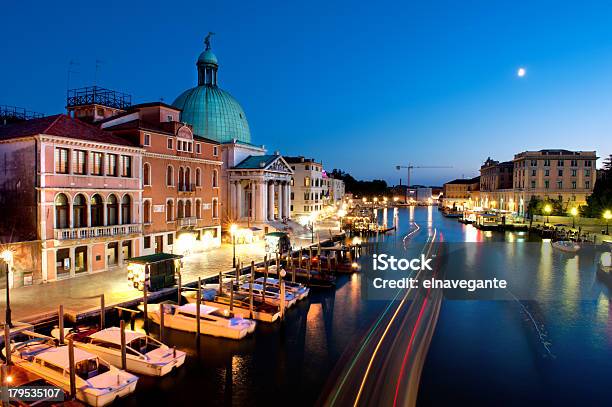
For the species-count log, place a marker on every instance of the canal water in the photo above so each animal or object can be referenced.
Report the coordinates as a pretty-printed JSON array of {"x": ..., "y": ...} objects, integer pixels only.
[{"x": 555, "y": 348}]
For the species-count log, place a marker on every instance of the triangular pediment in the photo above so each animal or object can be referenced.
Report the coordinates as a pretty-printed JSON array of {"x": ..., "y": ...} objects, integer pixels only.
[{"x": 279, "y": 165}]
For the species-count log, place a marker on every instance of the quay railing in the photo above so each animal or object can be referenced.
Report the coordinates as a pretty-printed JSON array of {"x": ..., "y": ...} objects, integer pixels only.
[
  {"x": 98, "y": 231},
  {"x": 188, "y": 221}
]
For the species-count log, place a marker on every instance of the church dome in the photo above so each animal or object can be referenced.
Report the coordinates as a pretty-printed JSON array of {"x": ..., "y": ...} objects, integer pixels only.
[{"x": 212, "y": 112}]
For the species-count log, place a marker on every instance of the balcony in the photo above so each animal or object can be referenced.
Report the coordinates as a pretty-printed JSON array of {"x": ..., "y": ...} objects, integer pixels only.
[
  {"x": 186, "y": 189},
  {"x": 98, "y": 231},
  {"x": 190, "y": 221}
]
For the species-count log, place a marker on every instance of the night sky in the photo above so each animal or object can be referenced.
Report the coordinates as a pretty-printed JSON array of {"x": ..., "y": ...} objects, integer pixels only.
[{"x": 361, "y": 86}]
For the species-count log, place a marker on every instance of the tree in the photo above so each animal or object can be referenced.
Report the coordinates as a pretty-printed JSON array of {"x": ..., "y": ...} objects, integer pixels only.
[
  {"x": 360, "y": 188},
  {"x": 601, "y": 198}
]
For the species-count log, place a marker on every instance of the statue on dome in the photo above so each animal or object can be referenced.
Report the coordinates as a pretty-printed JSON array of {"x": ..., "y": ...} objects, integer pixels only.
[{"x": 207, "y": 39}]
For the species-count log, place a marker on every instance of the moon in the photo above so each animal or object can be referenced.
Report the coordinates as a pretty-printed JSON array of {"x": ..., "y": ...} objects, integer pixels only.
[{"x": 521, "y": 72}]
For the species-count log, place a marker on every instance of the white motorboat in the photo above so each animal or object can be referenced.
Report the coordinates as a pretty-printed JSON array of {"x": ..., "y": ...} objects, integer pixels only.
[
  {"x": 262, "y": 311},
  {"x": 567, "y": 246},
  {"x": 272, "y": 294},
  {"x": 297, "y": 289},
  {"x": 144, "y": 355},
  {"x": 98, "y": 383},
  {"x": 213, "y": 321}
]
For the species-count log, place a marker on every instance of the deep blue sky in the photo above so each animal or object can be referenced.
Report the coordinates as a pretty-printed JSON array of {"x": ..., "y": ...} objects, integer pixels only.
[{"x": 360, "y": 85}]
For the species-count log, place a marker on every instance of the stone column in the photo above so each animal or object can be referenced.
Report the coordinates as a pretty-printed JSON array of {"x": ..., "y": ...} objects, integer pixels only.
[
  {"x": 233, "y": 201},
  {"x": 239, "y": 194},
  {"x": 263, "y": 186},
  {"x": 281, "y": 201},
  {"x": 253, "y": 200},
  {"x": 104, "y": 213},
  {"x": 271, "y": 201},
  {"x": 288, "y": 200}
]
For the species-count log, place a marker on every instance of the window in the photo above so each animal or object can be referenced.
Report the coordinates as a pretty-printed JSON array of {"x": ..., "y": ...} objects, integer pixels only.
[
  {"x": 96, "y": 211},
  {"x": 215, "y": 177},
  {"x": 112, "y": 210},
  {"x": 146, "y": 211},
  {"x": 79, "y": 162},
  {"x": 62, "y": 220},
  {"x": 198, "y": 179},
  {"x": 560, "y": 173},
  {"x": 170, "y": 118},
  {"x": 534, "y": 163},
  {"x": 79, "y": 212},
  {"x": 188, "y": 209},
  {"x": 179, "y": 145},
  {"x": 126, "y": 166},
  {"x": 190, "y": 147},
  {"x": 146, "y": 174},
  {"x": 111, "y": 165},
  {"x": 546, "y": 173},
  {"x": 587, "y": 173},
  {"x": 559, "y": 184},
  {"x": 170, "y": 176},
  {"x": 147, "y": 242},
  {"x": 533, "y": 173},
  {"x": 180, "y": 210},
  {"x": 587, "y": 163},
  {"x": 198, "y": 209},
  {"x": 169, "y": 211},
  {"x": 560, "y": 163},
  {"x": 147, "y": 139},
  {"x": 574, "y": 172},
  {"x": 574, "y": 163},
  {"x": 307, "y": 181},
  {"x": 546, "y": 163},
  {"x": 587, "y": 184},
  {"x": 215, "y": 208},
  {"x": 97, "y": 163},
  {"x": 533, "y": 184},
  {"x": 215, "y": 151},
  {"x": 170, "y": 144},
  {"x": 170, "y": 238},
  {"x": 198, "y": 148},
  {"x": 573, "y": 184},
  {"x": 126, "y": 210},
  {"x": 546, "y": 184},
  {"x": 61, "y": 160}
]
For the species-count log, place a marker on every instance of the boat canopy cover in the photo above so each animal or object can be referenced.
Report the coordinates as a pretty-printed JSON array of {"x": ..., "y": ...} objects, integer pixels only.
[
  {"x": 59, "y": 356},
  {"x": 113, "y": 335},
  {"x": 190, "y": 308}
]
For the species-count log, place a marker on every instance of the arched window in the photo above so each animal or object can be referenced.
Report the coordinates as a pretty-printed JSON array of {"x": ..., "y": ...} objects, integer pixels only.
[
  {"x": 169, "y": 211},
  {"x": 62, "y": 219},
  {"x": 188, "y": 209},
  {"x": 146, "y": 211},
  {"x": 188, "y": 179},
  {"x": 170, "y": 176},
  {"x": 180, "y": 213},
  {"x": 198, "y": 180},
  {"x": 79, "y": 211},
  {"x": 181, "y": 179},
  {"x": 126, "y": 210},
  {"x": 215, "y": 176},
  {"x": 112, "y": 210},
  {"x": 146, "y": 174},
  {"x": 198, "y": 209},
  {"x": 97, "y": 211},
  {"x": 215, "y": 208}
]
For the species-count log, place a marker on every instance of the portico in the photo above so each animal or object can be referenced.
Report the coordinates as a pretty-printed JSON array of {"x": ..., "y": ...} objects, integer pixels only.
[{"x": 260, "y": 189}]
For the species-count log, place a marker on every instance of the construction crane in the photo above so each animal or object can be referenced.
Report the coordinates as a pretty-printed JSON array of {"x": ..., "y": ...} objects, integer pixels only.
[{"x": 409, "y": 168}]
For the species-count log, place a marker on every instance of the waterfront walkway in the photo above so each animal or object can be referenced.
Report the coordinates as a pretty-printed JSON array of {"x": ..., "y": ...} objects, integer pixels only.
[{"x": 81, "y": 294}]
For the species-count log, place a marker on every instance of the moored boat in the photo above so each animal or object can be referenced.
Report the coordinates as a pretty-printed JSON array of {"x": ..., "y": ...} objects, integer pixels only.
[
  {"x": 213, "y": 321},
  {"x": 272, "y": 294},
  {"x": 567, "y": 246},
  {"x": 144, "y": 354},
  {"x": 297, "y": 289},
  {"x": 98, "y": 383},
  {"x": 262, "y": 311}
]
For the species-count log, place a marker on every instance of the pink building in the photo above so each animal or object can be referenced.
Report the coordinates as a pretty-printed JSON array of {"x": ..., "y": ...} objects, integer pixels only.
[{"x": 85, "y": 186}]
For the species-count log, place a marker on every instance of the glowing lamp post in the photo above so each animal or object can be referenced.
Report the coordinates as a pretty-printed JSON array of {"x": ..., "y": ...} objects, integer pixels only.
[
  {"x": 233, "y": 229},
  {"x": 341, "y": 213},
  {"x": 607, "y": 216},
  {"x": 7, "y": 256},
  {"x": 574, "y": 212},
  {"x": 547, "y": 211}
]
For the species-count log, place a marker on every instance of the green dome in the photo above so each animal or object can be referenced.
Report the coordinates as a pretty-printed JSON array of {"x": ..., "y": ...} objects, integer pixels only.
[
  {"x": 211, "y": 111},
  {"x": 214, "y": 114},
  {"x": 207, "y": 57}
]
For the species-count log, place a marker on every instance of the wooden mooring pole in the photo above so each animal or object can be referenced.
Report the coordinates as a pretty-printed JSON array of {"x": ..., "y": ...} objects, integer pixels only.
[
  {"x": 198, "y": 302},
  {"x": 145, "y": 308},
  {"x": 180, "y": 289},
  {"x": 251, "y": 289},
  {"x": 102, "y": 311},
  {"x": 123, "y": 345},
  {"x": 60, "y": 323},
  {"x": 162, "y": 316},
  {"x": 7, "y": 343},
  {"x": 71, "y": 368}
]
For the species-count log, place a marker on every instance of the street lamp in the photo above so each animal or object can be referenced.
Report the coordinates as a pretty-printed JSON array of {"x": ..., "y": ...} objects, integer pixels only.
[
  {"x": 233, "y": 229},
  {"x": 574, "y": 212},
  {"x": 547, "y": 211},
  {"x": 607, "y": 216},
  {"x": 341, "y": 213},
  {"x": 7, "y": 256}
]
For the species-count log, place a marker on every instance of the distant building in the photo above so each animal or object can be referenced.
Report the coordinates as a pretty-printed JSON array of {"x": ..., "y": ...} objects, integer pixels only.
[
  {"x": 335, "y": 190},
  {"x": 307, "y": 185},
  {"x": 423, "y": 194},
  {"x": 456, "y": 193}
]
